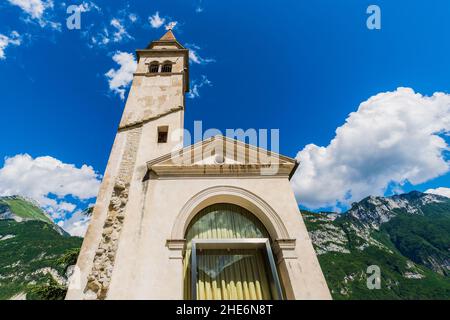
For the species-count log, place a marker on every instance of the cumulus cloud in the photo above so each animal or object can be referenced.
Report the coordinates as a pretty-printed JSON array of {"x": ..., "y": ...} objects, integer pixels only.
[
  {"x": 156, "y": 21},
  {"x": 393, "y": 138},
  {"x": 77, "y": 224},
  {"x": 48, "y": 181},
  {"x": 196, "y": 85},
  {"x": 195, "y": 57},
  {"x": 121, "y": 78},
  {"x": 13, "y": 39},
  {"x": 440, "y": 191}
]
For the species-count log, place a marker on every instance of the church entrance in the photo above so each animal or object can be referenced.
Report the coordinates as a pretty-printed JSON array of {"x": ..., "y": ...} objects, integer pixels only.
[{"x": 229, "y": 257}]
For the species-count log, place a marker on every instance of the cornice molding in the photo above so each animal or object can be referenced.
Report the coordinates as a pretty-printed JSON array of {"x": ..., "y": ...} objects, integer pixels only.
[
  {"x": 188, "y": 162},
  {"x": 212, "y": 170},
  {"x": 140, "y": 123}
]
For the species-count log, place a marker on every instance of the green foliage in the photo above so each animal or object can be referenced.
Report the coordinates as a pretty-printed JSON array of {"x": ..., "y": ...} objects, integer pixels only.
[
  {"x": 425, "y": 239},
  {"x": 69, "y": 258},
  {"x": 34, "y": 245},
  {"x": 50, "y": 290},
  {"x": 347, "y": 278},
  {"x": 421, "y": 238}
]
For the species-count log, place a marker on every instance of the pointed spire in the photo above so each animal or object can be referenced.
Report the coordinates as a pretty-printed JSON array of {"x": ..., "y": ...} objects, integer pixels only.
[
  {"x": 168, "y": 36},
  {"x": 167, "y": 39}
]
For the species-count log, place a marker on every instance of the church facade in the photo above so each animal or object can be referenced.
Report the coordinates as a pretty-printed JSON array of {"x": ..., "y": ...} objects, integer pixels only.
[{"x": 208, "y": 221}]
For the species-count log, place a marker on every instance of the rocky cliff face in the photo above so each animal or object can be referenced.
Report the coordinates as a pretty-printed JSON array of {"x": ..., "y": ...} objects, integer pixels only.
[
  {"x": 374, "y": 211},
  {"x": 407, "y": 236}
]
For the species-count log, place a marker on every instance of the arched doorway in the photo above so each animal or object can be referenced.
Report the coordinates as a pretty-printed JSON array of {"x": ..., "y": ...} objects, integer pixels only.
[{"x": 228, "y": 256}]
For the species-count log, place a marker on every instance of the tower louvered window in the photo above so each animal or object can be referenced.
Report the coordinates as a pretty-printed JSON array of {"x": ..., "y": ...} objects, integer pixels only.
[
  {"x": 167, "y": 67},
  {"x": 154, "y": 68}
]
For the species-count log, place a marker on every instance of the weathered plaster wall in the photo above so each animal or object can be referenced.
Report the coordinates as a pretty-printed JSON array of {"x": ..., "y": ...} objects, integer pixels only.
[
  {"x": 147, "y": 269},
  {"x": 154, "y": 94}
]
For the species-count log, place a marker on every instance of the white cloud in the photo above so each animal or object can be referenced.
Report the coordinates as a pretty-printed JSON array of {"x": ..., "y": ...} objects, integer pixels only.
[
  {"x": 133, "y": 17},
  {"x": 48, "y": 181},
  {"x": 120, "y": 32},
  {"x": 102, "y": 38},
  {"x": 120, "y": 79},
  {"x": 156, "y": 21},
  {"x": 196, "y": 85},
  {"x": 194, "y": 56},
  {"x": 35, "y": 8},
  {"x": 171, "y": 25},
  {"x": 87, "y": 6},
  {"x": 5, "y": 41},
  {"x": 77, "y": 224},
  {"x": 393, "y": 138},
  {"x": 440, "y": 191}
]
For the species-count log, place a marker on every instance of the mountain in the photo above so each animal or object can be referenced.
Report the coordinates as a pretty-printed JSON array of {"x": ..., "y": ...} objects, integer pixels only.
[
  {"x": 407, "y": 236},
  {"x": 21, "y": 209},
  {"x": 34, "y": 252}
]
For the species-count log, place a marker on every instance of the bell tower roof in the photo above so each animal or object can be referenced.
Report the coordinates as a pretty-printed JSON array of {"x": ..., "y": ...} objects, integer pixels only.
[
  {"x": 167, "y": 40},
  {"x": 168, "y": 36}
]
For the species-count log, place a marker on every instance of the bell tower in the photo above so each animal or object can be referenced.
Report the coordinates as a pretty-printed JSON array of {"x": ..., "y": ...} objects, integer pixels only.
[
  {"x": 157, "y": 94},
  {"x": 151, "y": 126}
]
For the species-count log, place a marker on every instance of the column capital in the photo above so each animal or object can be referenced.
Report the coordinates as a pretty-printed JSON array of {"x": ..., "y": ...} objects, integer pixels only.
[
  {"x": 176, "y": 248},
  {"x": 284, "y": 249}
]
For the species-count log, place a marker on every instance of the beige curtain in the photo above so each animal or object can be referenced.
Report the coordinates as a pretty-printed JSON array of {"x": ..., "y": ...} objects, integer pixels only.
[
  {"x": 235, "y": 275},
  {"x": 222, "y": 274}
]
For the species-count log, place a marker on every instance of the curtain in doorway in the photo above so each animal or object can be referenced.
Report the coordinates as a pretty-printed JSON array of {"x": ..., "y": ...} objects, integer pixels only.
[
  {"x": 223, "y": 274},
  {"x": 232, "y": 275}
]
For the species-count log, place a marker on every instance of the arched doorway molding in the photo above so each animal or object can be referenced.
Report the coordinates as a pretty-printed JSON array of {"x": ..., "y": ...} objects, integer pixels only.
[{"x": 234, "y": 195}]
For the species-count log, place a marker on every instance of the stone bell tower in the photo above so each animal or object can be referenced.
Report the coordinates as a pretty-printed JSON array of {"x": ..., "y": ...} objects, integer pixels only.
[{"x": 150, "y": 127}]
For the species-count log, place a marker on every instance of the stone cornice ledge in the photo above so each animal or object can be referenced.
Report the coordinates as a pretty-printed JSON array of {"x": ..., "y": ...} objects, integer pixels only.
[
  {"x": 139, "y": 123},
  {"x": 221, "y": 170}
]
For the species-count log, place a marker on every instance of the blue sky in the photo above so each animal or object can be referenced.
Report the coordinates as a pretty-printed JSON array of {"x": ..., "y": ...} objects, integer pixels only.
[{"x": 298, "y": 66}]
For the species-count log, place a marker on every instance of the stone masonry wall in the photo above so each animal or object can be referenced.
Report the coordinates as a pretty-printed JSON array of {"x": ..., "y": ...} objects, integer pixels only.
[{"x": 100, "y": 276}]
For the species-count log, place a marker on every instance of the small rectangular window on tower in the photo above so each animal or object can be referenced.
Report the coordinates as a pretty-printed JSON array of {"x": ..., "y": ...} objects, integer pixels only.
[{"x": 162, "y": 134}]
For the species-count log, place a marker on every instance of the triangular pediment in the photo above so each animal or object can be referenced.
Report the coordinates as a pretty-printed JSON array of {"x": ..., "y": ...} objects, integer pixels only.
[{"x": 220, "y": 156}]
